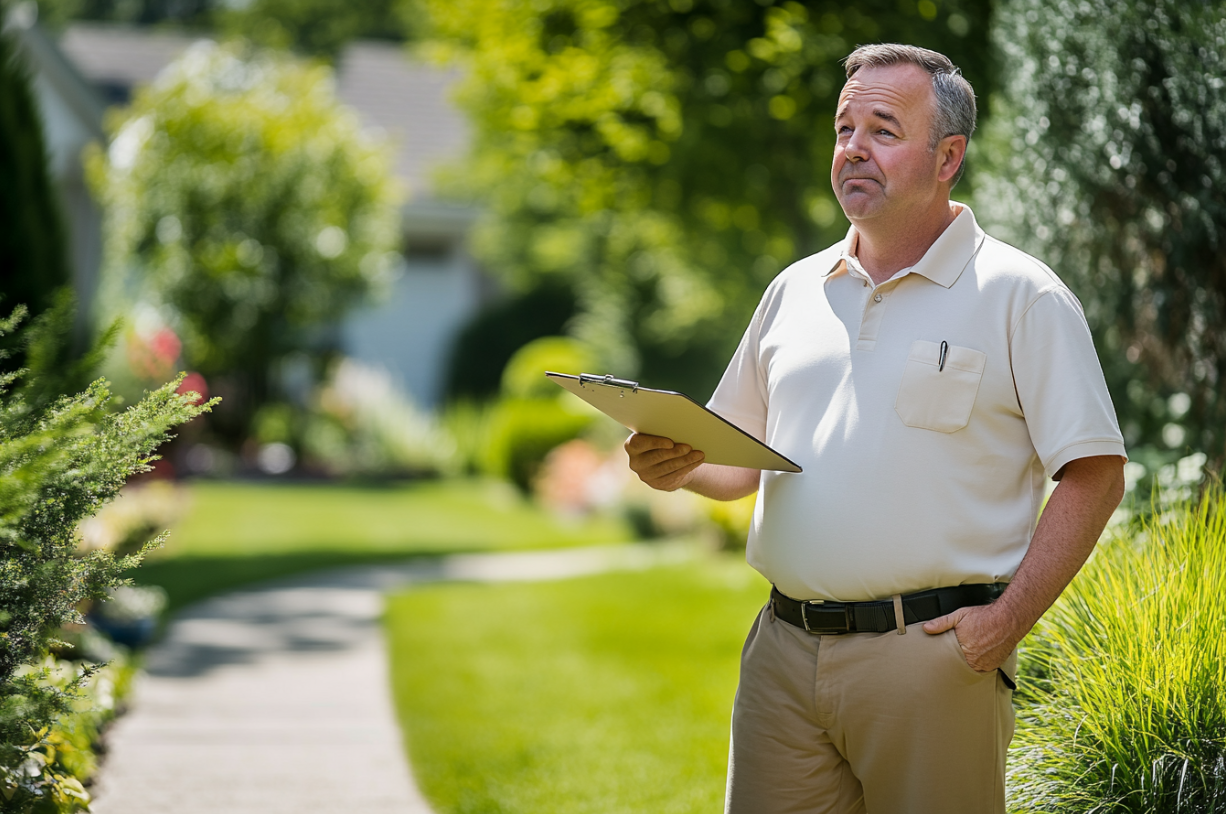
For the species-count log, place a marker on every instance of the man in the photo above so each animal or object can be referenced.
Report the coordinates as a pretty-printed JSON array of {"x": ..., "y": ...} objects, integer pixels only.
[{"x": 928, "y": 378}]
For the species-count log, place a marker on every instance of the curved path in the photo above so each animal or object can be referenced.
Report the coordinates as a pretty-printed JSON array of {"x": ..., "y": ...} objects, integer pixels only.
[{"x": 275, "y": 698}]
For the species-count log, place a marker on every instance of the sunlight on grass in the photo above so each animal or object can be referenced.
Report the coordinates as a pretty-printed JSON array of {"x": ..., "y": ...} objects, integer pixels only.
[
  {"x": 434, "y": 516},
  {"x": 236, "y": 533},
  {"x": 603, "y": 694}
]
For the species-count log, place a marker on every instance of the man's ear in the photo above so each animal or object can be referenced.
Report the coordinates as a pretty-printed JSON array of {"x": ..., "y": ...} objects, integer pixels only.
[{"x": 950, "y": 152}]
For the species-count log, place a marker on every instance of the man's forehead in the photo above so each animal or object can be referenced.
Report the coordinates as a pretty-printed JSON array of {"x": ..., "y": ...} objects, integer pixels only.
[{"x": 893, "y": 87}]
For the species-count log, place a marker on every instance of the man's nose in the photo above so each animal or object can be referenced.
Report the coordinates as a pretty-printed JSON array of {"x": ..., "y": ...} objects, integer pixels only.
[{"x": 856, "y": 149}]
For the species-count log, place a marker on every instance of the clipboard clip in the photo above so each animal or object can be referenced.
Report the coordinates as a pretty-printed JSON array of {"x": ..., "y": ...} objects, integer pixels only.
[{"x": 608, "y": 381}]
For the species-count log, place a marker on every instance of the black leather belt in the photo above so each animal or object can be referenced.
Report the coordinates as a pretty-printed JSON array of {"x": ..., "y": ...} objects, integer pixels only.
[{"x": 826, "y": 618}]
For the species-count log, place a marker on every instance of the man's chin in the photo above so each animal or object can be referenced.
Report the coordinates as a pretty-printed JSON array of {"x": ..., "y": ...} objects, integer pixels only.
[{"x": 859, "y": 206}]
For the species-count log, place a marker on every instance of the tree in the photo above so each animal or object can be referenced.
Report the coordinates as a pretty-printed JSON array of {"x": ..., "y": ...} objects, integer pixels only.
[
  {"x": 316, "y": 27},
  {"x": 319, "y": 28},
  {"x": 666, "y": 158},
  {"x": 1115, "y": 119},
  {"x": 32, "y": 239},
  {"x": 244, "y": 201}
]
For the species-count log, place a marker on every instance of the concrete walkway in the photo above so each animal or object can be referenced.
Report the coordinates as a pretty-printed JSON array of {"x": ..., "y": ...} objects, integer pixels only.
[{"x": 275, "y": 699}]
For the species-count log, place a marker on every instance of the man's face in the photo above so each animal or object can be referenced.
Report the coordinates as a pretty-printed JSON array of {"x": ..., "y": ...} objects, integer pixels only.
[{"x": 883, "y": 166}]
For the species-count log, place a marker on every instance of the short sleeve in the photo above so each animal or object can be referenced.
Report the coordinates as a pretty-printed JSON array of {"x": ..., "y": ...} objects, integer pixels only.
[
  {"x": 1060, "y": 384},
  {"x": 741, "y": 396}
]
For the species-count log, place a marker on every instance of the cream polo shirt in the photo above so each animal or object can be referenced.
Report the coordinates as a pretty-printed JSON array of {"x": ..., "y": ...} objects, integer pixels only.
[{"x": 916, "y": 475}]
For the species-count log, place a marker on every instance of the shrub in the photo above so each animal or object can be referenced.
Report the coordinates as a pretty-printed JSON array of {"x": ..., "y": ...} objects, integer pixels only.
[
  {"x": 248, "y": 208},
  {"x": 61, "y": 460},
  {"x": 523, "y": 431},
  {"x": 1129, "y": 711}
]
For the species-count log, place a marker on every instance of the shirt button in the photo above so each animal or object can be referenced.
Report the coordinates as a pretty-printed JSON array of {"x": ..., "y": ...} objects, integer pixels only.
[{"x": 876, "y": 298}]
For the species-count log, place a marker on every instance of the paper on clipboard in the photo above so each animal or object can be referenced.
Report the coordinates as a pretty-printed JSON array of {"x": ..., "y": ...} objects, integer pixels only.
[{"x": 676, "y": 416}]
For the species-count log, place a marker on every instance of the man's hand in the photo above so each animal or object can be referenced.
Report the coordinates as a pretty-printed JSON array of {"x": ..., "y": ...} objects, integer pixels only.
[
  {"x": 660, "y": 463},
  {"x": 984, "y": 640}
]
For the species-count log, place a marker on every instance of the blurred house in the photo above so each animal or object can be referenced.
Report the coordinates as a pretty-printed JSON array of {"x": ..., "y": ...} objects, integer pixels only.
[{"x": 92, "y": 66}]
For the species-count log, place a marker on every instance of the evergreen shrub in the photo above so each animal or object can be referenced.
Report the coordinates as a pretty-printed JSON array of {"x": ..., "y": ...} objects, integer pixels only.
[{"x": 62, "y": 457}]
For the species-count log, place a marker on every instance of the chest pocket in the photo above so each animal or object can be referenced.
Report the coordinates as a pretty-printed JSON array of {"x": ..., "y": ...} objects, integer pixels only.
[{"x": 932, "y": 398}]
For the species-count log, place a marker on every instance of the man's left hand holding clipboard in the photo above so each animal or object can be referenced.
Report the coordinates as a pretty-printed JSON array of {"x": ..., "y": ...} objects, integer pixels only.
[
  {"x": 666, "y": 466},
  {"x": 670, "y": 430}
]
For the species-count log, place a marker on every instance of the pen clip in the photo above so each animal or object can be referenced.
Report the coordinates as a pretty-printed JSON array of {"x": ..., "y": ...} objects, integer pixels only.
[
  {"x": 944, "y": 354},
  {"x": 607, "y": 379}
]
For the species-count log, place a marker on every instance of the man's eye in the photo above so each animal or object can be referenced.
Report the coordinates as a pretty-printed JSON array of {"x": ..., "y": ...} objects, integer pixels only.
[{"x": 885, "y": 133}]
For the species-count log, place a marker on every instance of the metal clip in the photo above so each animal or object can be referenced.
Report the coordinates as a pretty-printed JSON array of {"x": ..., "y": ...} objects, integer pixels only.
[{"x": 608, "y": 380}]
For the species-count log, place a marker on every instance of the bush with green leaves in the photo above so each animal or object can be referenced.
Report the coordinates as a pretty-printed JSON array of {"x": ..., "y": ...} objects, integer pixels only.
[
  {"x": 1126, "y": 708},
  {"x": 247, "y": 205},
  {"x": 1112, "y": 126},
  {"x": 61, "y": 459}
]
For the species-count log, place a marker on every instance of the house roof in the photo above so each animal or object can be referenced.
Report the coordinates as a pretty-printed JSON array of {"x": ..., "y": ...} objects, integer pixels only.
[{"x": 408, "y": 100}]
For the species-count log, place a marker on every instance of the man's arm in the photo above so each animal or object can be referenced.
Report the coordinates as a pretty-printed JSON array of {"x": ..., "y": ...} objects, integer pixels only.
[
  {"x": 1072, "y": 521},
  {"x": 666, "y": 466}
]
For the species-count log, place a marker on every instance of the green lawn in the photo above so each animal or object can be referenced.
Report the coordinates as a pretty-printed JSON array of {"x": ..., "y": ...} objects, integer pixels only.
[
  {"x": 235, "y": 532},
  {"x": 603, "y": 694}
]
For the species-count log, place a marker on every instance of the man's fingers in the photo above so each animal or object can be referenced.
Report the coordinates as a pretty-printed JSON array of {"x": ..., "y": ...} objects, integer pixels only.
[
  {"x": 944, "y": 623},
  {"x": 639, "y": 443}
]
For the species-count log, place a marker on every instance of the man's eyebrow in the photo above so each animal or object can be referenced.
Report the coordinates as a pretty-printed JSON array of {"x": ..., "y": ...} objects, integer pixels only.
[{"x": 884, "y": 115}]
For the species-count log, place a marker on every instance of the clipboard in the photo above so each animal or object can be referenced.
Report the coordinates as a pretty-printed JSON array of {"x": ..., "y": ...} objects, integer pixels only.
[{"x": 676, "y": 416}]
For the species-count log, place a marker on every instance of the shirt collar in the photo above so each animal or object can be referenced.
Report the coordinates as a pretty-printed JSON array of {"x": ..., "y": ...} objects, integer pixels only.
[{"x": 945, "y": 259}]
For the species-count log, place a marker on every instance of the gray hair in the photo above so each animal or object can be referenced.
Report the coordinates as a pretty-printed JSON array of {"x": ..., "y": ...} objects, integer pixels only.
[{"x": 955, "y": 99}]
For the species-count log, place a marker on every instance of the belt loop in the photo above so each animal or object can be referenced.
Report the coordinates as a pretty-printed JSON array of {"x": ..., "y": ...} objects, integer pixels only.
[
  {"x": 899, "y": 620},
  {"x": 770, "y": 603}
]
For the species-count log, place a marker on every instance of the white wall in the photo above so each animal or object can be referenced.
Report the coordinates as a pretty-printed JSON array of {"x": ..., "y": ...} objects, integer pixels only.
[{"x": 410, "y": 334}]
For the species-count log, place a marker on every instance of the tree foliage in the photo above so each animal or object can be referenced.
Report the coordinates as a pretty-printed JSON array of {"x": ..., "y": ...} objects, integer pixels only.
[
  {"x": 33, "y": 244},
  {"x": 246, "y": 202},
  {"x": 319, "y": 28},
  {"x": 316, "y": 27},
  {"x": 61, "y": 459},
  {"x": 1116, "y": 117},
  {"x": 667, "y": 158}
]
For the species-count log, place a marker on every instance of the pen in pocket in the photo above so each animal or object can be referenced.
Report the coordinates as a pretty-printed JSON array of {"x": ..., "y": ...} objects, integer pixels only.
[{"x": 944, "y": 353}]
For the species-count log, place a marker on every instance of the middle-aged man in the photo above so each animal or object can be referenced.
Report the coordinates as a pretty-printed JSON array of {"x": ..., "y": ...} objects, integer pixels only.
[{"x": 928, "y": 378}]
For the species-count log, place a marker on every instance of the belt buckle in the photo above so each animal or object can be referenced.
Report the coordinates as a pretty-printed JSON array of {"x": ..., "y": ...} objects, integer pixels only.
[{"x": 825, "y": 630}]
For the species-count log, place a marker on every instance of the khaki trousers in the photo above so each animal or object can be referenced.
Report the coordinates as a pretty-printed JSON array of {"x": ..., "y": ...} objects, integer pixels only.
[{"x": 866, "y": 723}]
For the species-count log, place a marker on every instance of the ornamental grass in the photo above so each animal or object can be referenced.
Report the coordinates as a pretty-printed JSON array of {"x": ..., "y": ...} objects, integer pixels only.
[{"x": 1127, "y": 707}]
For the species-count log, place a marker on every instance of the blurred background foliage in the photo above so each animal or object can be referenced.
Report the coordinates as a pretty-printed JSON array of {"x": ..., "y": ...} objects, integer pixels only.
[
  {"x": 245, "y": 208},
  {"x": 33, "y": 245},
  {"x": 646, "y": 166},
  {"x": 665, "y": 159},
  {"x": 318, "y": 28},
  {"x": 1109, "y": 163}
]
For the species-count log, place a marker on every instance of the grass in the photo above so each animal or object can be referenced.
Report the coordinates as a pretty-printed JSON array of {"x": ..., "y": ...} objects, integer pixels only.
[
  {"x": 236, "y": 533},
  {"x": 603, "y": 694},
  {"x": 1129, "y": 713}
]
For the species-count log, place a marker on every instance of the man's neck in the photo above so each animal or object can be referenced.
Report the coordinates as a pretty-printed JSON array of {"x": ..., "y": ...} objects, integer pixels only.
[{"x": 884, "y": 249}]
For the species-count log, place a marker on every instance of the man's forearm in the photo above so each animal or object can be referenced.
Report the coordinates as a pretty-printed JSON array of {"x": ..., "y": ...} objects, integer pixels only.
[
  {"x": 1072, "y": 521},
  {"x": 723, "y": 482},
  {"x": 1070, "y": 526}
]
